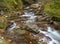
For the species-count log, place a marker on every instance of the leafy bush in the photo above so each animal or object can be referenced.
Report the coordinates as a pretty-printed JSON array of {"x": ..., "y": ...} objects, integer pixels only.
[{"x": 13, "y": 5}]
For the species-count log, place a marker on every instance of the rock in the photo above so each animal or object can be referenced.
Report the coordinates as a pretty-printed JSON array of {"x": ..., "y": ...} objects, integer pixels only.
[
  {"x": 20, "y": 32},
  {"x": 35, "y": 5},
  {"x": 43, "y": 43},
  {"x": 33, "y": 28},
  {"x": 2, "y": 41},
  {"x": 55, "y": 25},
  {"x": 2, "y": 31},
  {"x": 2, "y": 13},
  {"x": 42, "y": 26},
  {"x": 48, "y": 38},
  {"x": 37, "y": 8}
]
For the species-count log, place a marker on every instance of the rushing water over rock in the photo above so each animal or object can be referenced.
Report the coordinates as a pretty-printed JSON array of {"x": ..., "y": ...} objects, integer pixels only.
[
  {"x": 54, "y": 33},
  {"x": 31, "y": 17},
  {"x": 51, "y": 33},
  {"x": 13, "y": 26}
]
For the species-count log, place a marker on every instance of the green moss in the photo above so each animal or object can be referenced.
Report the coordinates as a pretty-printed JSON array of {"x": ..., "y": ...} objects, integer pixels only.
[
  {"x": 21, "y": 32},
  {"x": 53, "y": 9},
  {"x": 2, "y": 26},
  {"x": 14, "y": 5},
  {"x": 3, "y": 22},
  {"x": 2, "y": 41}
]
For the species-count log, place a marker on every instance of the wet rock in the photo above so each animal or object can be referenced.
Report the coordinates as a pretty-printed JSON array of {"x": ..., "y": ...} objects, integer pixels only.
[
  {"x": 43, "y": 43},
  {"x": 42, "y": 18},
  {"x": 2, "y": 41},
  {"x": 42, "y": 26},
  {"x": 33, "y": 28},
  {"x": 37, "y": 8},
  {"x": 38, "y": 19},
  {"x": 17, "y": 35},
  {"x": 55, "y": 25},
  {"x": 55, "y": 18},
  {"x": 35, "y": 5},
  {"x": 48, "y": 38},
  {"x": 41, "y": 35},
  {"x": 26, "y": 38},
  {"x": 2, "y": 31},
  {"x": 15, "y": 14},
  {"x": 20, "y": 32},
  {"x": 24, "y": 18},
  {"x": 1, "y": 12}
]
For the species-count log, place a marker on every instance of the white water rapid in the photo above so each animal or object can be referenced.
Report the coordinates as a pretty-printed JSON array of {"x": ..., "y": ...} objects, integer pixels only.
[{"x": 53, "y": 34}]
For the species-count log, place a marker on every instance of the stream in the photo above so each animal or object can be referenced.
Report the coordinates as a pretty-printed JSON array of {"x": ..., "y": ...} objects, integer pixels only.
[{"x": 51, "y": 32}]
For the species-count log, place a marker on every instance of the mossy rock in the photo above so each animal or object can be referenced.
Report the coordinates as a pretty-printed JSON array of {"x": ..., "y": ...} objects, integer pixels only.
[
  {"x": 2, "y": 26},
  {"x": 2, "y": 41},
  {"x": 3, "y": 22},
  {"x": 21, "y": 32}
]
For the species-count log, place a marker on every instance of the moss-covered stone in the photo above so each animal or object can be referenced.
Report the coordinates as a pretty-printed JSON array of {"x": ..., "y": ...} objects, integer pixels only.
[
  {"x": 2, "y": 41},
  {"x": 3, "y": 22}
]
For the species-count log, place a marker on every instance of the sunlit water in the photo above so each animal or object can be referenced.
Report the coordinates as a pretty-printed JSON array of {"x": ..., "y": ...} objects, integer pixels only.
[{"x": 53, "y": 34}]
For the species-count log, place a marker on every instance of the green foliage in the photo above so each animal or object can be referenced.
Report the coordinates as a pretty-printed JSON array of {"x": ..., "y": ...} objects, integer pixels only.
[
  {"x": 12, "y": 4},
  {"x": 53, "y": 8}
]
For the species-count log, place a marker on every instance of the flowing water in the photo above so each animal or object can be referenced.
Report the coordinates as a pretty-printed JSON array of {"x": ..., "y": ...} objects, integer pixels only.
[
  {"x": 13, "y": 26},
  {"x": 51, "y": 32}
]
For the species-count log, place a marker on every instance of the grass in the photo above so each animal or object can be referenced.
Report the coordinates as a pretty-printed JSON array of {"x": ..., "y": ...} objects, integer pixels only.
[
  {"x": 53, "y": 9},
  {"x": 12, "y": 5}
]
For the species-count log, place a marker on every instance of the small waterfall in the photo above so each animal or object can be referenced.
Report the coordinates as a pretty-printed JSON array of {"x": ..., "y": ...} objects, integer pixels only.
[
  {"x": 31, "y": 16},
  {"x": 13, "y": 26}
]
